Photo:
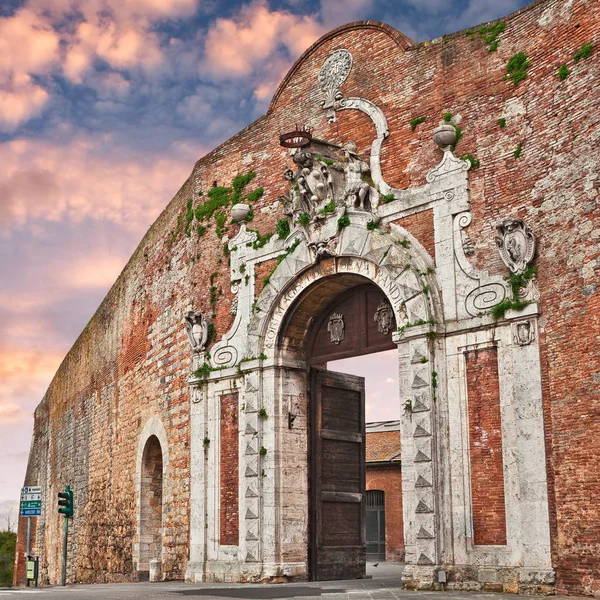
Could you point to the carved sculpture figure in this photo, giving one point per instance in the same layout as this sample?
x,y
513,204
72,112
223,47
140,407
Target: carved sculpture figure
x,y
336,328
384,316
196,328
358,192
313,181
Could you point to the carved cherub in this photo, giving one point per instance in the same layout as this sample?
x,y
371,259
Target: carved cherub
x,y
358,192
196,328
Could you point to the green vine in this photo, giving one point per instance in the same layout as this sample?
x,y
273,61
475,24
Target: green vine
x,y
303,219
474,161
584,52
343,222
416,122
489,34
516,283
385,198
518,151
329,208
282,229
517,67
261,240
502,122
324,160
371,225
563,72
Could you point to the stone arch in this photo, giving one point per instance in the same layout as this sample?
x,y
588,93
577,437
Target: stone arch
x,y
152,465
395,261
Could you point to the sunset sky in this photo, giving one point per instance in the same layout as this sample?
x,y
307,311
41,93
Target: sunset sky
x,y
105,105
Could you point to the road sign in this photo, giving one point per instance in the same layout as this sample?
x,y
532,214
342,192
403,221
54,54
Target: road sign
x,y
31,501
30,497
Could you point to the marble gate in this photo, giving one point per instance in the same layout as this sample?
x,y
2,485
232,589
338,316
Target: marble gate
x,y
342,235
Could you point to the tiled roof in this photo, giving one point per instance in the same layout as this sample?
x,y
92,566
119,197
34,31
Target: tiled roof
x,y
383,443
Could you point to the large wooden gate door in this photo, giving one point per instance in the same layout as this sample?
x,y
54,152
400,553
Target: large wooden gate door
x,y
337,482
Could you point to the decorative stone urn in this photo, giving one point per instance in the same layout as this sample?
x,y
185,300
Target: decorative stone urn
x,y
444,135
239,212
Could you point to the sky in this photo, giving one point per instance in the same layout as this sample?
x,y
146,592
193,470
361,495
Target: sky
x,y
105,105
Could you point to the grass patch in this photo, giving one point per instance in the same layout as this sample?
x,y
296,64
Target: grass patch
x,y
343,222
329,208
416,122
563,72
282,229
518,151
517,67
584,52
474,161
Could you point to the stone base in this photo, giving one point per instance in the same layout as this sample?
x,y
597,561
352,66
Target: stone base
x,y
233,572
508,580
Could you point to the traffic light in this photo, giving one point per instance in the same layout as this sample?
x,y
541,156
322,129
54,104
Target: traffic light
x,y
65,502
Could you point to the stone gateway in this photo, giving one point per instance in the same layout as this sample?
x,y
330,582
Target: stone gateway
x,y
441,199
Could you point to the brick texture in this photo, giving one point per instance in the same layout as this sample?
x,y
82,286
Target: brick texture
x,y
132,360
229,497
485,447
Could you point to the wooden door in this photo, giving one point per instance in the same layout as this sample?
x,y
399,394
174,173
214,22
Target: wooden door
x,y
337,483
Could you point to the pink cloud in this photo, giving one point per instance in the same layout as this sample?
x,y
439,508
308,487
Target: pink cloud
x,y
92,271
45,181
28,46
20,99
242,44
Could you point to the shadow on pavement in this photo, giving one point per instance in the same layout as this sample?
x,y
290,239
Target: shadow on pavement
x,y
262,593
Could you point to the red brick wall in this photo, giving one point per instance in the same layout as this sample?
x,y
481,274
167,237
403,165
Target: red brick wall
x,y
115,380
229,465
389,480
485,445
421,226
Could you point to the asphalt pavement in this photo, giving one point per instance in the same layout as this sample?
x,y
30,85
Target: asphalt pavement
x,y
383,582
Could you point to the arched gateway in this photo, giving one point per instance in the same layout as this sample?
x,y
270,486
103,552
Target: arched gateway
x,y
286,515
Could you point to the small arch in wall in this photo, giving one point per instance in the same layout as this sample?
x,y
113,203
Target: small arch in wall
x,y
152,464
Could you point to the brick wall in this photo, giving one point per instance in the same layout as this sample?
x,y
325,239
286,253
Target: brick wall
x,y
229,471
389,480
132,360
485,447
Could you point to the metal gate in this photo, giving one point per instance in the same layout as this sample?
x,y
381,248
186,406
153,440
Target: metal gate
x,y
375,525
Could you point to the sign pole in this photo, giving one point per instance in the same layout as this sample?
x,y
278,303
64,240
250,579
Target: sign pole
x,y
28,551
63,580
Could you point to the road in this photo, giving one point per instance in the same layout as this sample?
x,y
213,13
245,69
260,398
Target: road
x,y
385,583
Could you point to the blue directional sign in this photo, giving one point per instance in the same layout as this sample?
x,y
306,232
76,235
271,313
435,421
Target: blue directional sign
x,y
31,501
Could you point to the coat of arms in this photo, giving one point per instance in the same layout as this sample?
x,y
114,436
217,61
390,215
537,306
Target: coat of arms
x,y
516,244
336,328
384,316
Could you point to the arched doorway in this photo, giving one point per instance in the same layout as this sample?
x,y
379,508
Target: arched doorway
x,y
151,506
350,318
